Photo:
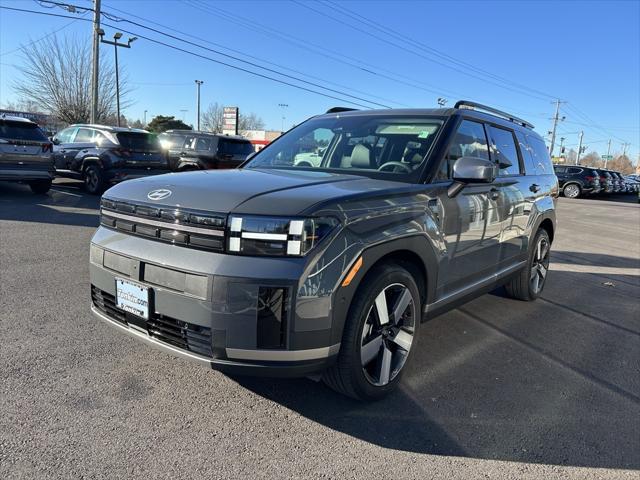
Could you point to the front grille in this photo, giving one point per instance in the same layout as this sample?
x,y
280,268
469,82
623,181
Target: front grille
x,y
187,228
184,335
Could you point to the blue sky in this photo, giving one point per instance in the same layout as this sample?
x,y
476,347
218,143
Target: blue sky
x,y
586,53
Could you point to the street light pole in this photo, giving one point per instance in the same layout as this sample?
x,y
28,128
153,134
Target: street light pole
x,y
198,83
145,118
606,160
117,36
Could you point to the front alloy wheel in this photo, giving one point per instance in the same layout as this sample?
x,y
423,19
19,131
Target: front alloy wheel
x,y
387,334
379,333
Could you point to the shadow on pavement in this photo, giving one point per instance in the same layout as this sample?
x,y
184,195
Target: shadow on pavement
x,y
501,379
62,205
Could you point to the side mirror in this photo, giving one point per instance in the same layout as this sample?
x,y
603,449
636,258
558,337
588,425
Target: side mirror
x,y
471,170
54,140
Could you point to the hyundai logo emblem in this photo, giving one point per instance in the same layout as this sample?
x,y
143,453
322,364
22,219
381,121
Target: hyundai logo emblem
x,y
159,194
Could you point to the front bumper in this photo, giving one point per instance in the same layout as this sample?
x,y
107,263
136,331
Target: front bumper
x,y
205,306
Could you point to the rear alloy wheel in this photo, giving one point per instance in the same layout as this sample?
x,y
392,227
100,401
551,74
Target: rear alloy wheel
x,y
40,187
379,334
571,191
528,283
93,179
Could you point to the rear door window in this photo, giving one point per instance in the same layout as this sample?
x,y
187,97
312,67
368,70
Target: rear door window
x,y
10,130
574,170
84,135
234,147
143,142
503,148
65,135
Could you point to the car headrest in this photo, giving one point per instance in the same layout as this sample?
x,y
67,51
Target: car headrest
x,y
360,157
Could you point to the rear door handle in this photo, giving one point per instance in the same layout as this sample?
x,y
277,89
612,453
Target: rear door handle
x,y
535,188
494,194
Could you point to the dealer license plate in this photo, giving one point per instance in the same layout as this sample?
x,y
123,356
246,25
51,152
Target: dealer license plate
x,y
132,297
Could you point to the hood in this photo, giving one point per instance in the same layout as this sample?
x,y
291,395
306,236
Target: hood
x,y
260,192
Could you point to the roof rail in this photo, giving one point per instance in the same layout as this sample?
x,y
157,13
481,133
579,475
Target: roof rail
x,y
340,109
478,106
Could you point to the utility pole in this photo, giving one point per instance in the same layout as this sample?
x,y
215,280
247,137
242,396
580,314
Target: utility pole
x,y
145,118
556,119
624,148
579,148
117,36
606,160
198,83
283,106
95,61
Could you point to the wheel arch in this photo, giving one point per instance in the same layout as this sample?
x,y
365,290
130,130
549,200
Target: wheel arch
x,y
414,253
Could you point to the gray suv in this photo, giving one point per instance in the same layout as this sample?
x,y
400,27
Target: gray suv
x,y
286,267
25,154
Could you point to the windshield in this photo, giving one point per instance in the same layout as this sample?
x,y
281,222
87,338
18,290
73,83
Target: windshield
x,y
395,146
139,141
21,131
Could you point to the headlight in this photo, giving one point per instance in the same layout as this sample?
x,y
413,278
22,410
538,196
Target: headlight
x,y
275,236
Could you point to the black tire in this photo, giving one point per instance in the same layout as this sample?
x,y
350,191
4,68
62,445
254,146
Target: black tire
x,y
523,286
93,179
572,190
348,376
40,187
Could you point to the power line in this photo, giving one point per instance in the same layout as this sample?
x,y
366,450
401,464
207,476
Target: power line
x,y
236,67
289,39
250,56
237,59
394,33
414,52
39,39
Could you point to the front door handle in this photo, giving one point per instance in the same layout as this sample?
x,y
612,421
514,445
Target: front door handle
x,y
494,194
535,188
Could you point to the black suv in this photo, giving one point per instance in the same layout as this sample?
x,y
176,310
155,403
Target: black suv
x,y
283,268
101,155
189,150
25,154
577,180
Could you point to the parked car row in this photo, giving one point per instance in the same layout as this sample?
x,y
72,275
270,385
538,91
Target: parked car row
x,y
578,181
101,156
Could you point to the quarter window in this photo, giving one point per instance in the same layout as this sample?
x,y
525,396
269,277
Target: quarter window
x,y
540,155
504,151
470,141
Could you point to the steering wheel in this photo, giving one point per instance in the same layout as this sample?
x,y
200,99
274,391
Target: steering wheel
x,y
304,163
391,166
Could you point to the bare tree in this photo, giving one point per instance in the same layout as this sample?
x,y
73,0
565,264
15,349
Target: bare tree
x,y
250,122
56,76
212,120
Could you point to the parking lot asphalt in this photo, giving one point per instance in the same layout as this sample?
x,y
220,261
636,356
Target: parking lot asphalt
x,y
498,388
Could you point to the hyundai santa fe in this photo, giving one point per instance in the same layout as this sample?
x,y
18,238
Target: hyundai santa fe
x,y
287,267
